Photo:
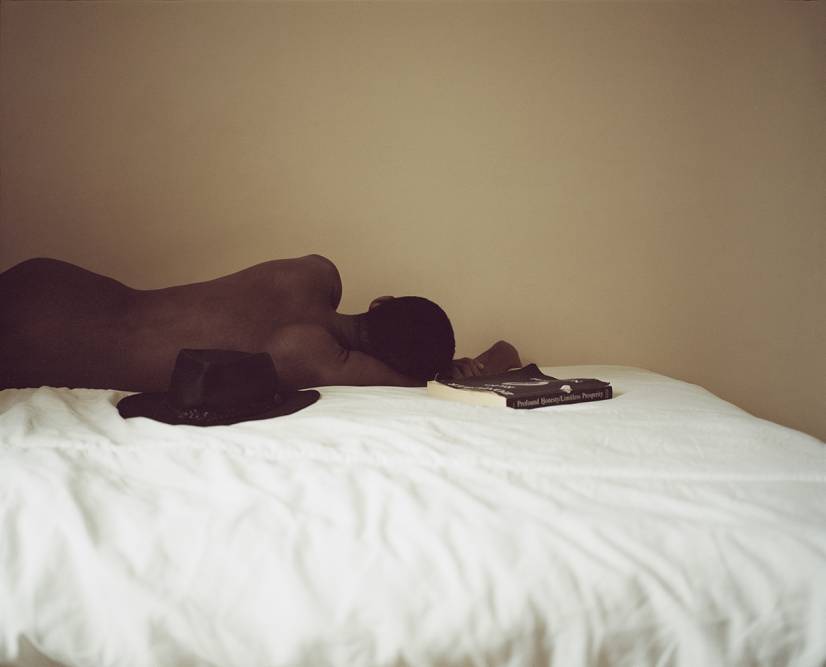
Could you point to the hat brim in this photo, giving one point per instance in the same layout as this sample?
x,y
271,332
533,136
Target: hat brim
x,y
155,405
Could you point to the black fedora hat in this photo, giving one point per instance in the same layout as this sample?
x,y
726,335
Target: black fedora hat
x,y
218,388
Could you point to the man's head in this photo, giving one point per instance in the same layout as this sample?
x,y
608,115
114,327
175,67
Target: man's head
x,y
410,334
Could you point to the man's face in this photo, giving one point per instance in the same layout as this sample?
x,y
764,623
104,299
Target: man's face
x,y
380,300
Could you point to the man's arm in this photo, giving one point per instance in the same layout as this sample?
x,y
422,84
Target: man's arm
x,y
360,369
497,359
307,355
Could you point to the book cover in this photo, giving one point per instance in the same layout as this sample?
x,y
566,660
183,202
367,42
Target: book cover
x,y
522,389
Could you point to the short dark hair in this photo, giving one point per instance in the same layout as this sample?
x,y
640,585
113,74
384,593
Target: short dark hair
x,y
411,335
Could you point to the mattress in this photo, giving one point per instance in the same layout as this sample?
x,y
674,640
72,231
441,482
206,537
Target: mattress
x,y
382,526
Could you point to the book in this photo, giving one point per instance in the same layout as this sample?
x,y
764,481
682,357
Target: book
x,y
522,389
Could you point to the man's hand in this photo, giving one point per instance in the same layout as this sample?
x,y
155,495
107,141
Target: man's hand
x,y
465,367
500,357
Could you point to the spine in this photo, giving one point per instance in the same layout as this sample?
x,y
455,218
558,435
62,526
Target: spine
x,y
544,400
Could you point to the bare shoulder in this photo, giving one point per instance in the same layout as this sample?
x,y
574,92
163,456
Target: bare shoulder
x,y
310,272
320,260
301,352
330,276
305,335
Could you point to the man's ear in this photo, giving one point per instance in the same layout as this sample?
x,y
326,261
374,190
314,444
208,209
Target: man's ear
x,y
378,301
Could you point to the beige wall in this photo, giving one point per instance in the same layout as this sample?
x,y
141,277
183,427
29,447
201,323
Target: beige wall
x,y
636,184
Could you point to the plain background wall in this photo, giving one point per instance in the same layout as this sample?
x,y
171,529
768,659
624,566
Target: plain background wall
x,y
634,184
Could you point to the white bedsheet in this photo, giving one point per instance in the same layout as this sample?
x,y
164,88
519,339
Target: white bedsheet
x,y
381,526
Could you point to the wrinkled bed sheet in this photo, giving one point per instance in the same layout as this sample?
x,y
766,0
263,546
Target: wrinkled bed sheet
x,y
381,526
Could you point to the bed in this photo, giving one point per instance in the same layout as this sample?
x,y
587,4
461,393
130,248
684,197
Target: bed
x,y
383,527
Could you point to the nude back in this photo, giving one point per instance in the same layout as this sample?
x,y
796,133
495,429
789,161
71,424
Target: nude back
x,y
62,325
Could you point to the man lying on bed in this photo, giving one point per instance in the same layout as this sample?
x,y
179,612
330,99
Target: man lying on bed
x,y
64,326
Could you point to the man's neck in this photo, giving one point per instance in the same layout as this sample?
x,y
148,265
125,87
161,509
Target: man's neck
x,y
348,331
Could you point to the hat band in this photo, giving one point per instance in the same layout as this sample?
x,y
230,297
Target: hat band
x,y
201,414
